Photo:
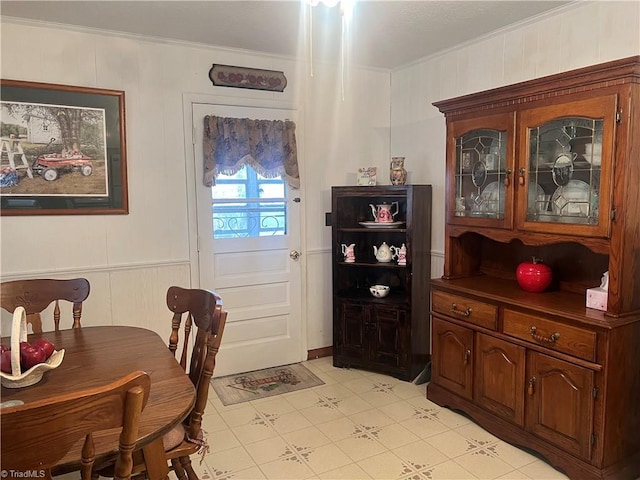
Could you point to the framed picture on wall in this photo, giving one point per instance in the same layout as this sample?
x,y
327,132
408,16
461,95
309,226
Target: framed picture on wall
x,y
62,150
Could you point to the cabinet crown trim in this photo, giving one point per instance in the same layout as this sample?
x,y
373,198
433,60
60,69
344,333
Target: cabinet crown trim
x,y
617,72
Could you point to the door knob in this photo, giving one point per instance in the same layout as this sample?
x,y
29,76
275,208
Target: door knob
x,y
294,254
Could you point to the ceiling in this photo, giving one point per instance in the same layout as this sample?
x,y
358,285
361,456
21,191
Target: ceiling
x,y
384,34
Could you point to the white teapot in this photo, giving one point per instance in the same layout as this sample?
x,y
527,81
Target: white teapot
x,y
383,253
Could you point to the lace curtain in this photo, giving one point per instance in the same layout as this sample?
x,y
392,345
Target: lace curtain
x,y
269,146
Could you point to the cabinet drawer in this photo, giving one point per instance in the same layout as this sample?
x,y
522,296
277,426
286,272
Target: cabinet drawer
x,y
463,308
563,338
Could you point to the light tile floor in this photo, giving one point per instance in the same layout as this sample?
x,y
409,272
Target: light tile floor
x,y
358,425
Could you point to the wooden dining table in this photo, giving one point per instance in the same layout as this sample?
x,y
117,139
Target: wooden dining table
x,y
95,356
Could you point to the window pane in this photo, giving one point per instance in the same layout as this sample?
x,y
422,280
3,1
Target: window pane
x,y
229,190
272,190
253,218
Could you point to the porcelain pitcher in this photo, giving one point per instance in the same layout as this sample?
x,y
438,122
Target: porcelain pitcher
x,y
349,252
382,213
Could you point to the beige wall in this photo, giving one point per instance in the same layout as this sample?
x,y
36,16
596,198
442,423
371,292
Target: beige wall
x,y
130,260
575,36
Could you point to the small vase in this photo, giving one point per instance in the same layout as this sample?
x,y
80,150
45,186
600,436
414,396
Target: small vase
x,y
398,174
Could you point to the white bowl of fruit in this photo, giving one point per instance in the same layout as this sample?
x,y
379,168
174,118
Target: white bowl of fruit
x,y
24,363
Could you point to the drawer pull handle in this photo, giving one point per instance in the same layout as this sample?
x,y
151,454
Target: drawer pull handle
x,y
532,384
463,313
467,355
552,339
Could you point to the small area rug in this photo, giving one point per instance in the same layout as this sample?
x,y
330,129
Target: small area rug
x,y
243,387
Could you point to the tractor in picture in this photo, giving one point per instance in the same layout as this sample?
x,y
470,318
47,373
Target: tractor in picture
x,y
49,166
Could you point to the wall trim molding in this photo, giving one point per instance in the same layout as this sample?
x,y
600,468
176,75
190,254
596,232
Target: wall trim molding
x,y
92,269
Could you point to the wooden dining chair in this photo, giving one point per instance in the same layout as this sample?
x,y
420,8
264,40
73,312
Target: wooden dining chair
x,y
203,309
36,295
37,436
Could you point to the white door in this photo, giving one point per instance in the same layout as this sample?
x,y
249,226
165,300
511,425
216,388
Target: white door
x,y
258,278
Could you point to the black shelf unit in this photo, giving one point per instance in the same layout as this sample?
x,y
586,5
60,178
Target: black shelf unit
x,y
388,335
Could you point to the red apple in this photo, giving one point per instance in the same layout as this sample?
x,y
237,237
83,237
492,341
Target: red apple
x,y
534,276
31,356
46,345
5,361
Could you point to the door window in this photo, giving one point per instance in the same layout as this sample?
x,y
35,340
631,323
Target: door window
x,y
247,204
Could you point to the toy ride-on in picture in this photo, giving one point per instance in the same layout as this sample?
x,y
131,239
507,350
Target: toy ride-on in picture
x,y
49,166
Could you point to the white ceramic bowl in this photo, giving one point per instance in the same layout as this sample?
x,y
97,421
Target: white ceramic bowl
x,y
379,291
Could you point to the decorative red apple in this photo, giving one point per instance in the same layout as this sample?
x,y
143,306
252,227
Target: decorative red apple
x,y
5,361
30,356
534,276
46,345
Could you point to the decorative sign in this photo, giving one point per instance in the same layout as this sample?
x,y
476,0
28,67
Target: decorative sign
x,y
367,176
241,77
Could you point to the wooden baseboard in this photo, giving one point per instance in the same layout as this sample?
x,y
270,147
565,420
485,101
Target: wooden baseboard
x,y
319,353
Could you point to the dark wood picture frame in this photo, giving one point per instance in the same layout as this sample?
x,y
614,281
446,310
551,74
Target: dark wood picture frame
x,y
41,165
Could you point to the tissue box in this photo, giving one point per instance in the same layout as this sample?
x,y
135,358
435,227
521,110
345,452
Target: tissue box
x,y
597,298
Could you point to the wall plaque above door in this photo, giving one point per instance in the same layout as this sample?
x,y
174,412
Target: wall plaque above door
x,y
253,78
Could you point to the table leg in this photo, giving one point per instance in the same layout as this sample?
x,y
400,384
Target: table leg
x,y
155,460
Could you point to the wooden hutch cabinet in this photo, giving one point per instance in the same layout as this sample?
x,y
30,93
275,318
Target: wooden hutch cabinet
x,y
548,168
391,334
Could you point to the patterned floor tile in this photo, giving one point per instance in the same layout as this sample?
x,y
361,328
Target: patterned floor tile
x,y
483,463
420,455
372,418
362,444
224,464
514,456
273,405
327,457
289,422
386,466
337,429
212,422
359,425
259,429
348,472
424,422
310,437
542,471
395,435
288,467
354,405
221,440
266,451
239,416
324,410
448,470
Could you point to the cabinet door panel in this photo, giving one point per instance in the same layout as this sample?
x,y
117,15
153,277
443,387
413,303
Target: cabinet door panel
x,y
560,403
566,167
479,165
388,336
351,331
452,364
499,377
